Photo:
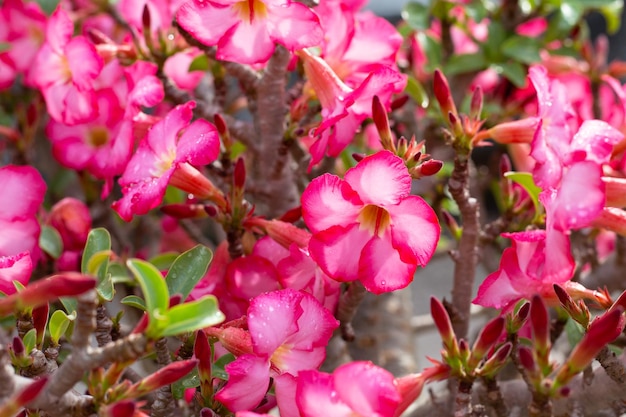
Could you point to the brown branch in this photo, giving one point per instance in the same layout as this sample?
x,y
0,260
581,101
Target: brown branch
x,y
104,325
348,304
163,405
467,252
493,397
612,365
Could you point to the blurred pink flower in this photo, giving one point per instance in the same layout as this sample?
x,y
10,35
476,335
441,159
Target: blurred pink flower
x,y
368,226
14,268
245,31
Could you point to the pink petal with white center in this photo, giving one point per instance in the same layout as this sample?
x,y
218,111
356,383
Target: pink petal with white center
x,y
294,25
597,138
268,248
315,325
291,361
247,277
415,230
381,179
580,198
246,43
84,62
381,269
328,201
163,136
206,21
248,381
59,30
337,250
368,389
55,65
285,388
19,235
272,318
14,268
24,188
316,396
199,144
142,196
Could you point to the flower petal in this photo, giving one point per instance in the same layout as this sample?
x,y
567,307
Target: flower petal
x,y
381,179
381,269
337,251
248,381
316,396
415,230
199,144
329,201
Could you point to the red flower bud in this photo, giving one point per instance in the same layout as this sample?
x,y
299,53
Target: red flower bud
x,y
431,167
145,18
444,95
476,105
190,180
164,376
124,408
444,325
239,174
18,347
31,391
496,361
485,341
540,325
379,115
184,211
72,220
518,131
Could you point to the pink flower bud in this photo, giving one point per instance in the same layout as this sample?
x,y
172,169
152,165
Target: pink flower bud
x,y
202,351
526,359
239,174
18,347
496,361
431,167
31,391
164,376
184,211
72,220
444,96
220,124
485,341
124,408
444,325
190,180
379,115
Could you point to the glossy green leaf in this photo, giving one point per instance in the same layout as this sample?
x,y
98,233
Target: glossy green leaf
x,y
189,317
98,240
164,261
48,6
513,71
70,304
465,63
218,368
416,15
152,284
119,274
574,332
525,179
187,270
58,324
134,301
30,340
416,91
522,49
191,380
50,241
199,63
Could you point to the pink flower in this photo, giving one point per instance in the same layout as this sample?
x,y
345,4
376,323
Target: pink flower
x,y
14,268
168,153
72,64
245,31
24,188
344,108
368,226
289,332
353,389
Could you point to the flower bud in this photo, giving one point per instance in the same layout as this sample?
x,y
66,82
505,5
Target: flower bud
x,y
184,211
430,167
518,131
190,180
496,361
444,96
379,115
444,325
72,220
164,376
476,105
540,325
485,341
239,174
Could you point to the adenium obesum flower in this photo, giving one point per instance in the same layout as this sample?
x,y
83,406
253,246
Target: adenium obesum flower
x,y
245,31
168,155
288,333
14,268
71,218
368,226
71,66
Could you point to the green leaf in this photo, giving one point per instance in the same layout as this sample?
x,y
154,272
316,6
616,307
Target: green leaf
x,y
48,6
187,270
70,304
574,332
191,380
134,301
98,240
164,261
492,47
513,71
522,49
612,13
416,91
416,15
119,274
50,241
59,322
30,340
153,287
200,63
189,317
432,50
465,63
525,179
217,370
98,266
4,46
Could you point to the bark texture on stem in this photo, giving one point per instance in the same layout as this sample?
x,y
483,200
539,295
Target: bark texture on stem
x,y
466,254
163,405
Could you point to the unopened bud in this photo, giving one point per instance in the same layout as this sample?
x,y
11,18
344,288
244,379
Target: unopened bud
x,y
184,211
526,359
145,18
444,325
518,131
485,341
379,115
164,376
31,391
540,325
452,224
239,174
476,105
431,167
496,361
443,95
399,102
615,190
18,346
358,157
